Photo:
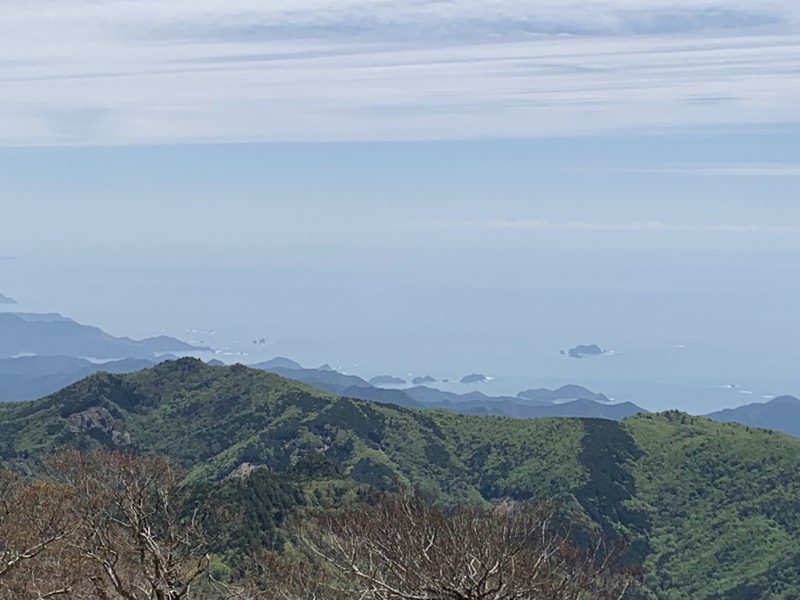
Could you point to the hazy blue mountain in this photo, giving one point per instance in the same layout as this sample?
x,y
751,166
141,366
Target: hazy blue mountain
x,y
585,409
378,394
565,392
6,300
55,335
329,381
279,362
781,414
431,395
574,408
477,403
472,403
340,384
29,377
387,380
423,380
42,365
130,365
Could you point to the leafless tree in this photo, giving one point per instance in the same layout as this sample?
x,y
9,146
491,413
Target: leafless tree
x,y
133,530
110,526
403,549
35,522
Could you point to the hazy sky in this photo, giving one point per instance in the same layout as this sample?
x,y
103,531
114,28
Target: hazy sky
x,y
553,170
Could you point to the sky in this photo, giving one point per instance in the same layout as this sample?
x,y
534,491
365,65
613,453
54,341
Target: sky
x,y
179,71
407,185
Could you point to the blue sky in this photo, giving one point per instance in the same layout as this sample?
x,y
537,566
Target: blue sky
x,y
617,172
157,201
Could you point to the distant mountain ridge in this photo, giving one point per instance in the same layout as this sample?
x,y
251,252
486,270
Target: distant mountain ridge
x,y
6,299
387,380
52,334
564,393
29,377
279,362
327,380
569,400
780,414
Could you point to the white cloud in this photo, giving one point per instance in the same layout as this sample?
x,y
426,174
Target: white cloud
x,y
610,227
124,71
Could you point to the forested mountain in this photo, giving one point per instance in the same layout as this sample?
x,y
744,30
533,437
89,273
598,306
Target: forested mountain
x,y
712,509
781,414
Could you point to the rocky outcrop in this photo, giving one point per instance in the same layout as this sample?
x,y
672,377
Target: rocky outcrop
x,y
98,419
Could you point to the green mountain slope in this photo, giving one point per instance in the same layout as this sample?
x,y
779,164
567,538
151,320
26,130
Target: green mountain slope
x,y
724,505
215,418
712,509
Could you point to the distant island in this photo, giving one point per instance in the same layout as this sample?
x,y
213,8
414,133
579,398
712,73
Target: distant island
x,y
423,380
563,394
474,378
581,350
51,334
387,380
6,300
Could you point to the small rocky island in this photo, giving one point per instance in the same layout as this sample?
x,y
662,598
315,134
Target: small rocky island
x,y
423,380
581,351
474,378
6,300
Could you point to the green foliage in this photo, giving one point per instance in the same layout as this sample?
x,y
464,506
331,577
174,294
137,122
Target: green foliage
x,y
243,513
724,503
713,510
608,453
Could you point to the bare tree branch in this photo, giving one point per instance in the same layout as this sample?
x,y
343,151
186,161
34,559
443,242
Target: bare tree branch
x,y
402,549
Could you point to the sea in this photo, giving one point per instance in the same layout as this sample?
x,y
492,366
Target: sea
x,y
680,343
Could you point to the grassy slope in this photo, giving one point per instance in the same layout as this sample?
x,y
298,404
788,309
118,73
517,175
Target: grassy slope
x,y
715,508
